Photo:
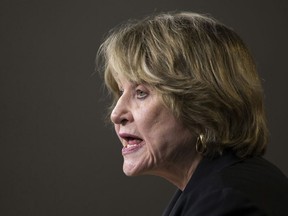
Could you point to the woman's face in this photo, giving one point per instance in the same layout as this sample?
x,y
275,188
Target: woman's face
x,y
153,139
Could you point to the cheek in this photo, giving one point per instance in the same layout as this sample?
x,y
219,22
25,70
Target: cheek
x,y
117,128
159,129
168,130
146,120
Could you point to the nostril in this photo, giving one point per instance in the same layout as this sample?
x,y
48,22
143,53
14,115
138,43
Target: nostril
x,y
123,121
119,118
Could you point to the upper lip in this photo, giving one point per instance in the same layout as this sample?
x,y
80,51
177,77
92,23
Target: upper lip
x,y
127,136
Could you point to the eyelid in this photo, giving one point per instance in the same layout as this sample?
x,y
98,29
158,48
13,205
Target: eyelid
x,y
119,93
141,92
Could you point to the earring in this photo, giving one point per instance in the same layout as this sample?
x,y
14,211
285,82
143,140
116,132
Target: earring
x,y
200,145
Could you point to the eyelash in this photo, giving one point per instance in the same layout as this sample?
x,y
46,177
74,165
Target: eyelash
x,y
140,94
121,92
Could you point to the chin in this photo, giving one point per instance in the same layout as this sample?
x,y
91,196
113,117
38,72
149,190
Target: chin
x,y
130,169
129,174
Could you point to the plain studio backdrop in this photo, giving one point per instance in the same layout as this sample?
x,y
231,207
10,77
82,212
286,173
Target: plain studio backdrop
x,y
57,156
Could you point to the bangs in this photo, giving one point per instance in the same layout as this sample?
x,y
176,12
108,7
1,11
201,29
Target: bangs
x,y
128,53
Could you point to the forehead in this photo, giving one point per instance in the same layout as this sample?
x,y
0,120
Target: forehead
x,y
121,79
121,74
127,59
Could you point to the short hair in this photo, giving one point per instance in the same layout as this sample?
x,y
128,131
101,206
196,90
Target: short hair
x,y
202,70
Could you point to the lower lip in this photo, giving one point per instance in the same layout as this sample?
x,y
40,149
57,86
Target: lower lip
x,y
131,149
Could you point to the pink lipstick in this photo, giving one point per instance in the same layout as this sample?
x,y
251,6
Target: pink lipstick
x,y
131,143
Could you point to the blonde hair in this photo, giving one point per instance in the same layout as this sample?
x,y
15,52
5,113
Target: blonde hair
x,y
203,72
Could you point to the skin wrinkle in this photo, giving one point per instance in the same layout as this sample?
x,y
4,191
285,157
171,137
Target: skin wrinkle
x,y
205,81
163,152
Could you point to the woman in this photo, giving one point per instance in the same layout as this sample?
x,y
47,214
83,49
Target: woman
x,y
188,107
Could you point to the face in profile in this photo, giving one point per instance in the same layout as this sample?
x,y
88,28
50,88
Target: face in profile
x,y
153,139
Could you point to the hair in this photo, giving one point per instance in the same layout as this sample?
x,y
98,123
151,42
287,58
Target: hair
x,y
202,70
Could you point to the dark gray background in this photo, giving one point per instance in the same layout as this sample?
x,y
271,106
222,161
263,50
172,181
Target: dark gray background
x,y
57,157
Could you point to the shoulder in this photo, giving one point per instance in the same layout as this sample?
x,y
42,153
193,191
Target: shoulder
x,y
219,202
246,187
228,185
260,182
255,177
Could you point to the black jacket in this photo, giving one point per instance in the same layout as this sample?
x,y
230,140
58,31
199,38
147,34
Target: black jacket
x,y
228,185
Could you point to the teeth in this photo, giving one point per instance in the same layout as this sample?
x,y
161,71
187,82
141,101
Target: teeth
x,y
130,145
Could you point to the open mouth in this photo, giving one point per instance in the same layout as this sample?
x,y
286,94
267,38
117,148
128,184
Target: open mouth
x,y
131,143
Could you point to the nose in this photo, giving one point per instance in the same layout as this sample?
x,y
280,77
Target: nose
x,y
121,113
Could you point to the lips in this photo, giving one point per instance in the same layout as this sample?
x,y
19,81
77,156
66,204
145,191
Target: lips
x,y
132,143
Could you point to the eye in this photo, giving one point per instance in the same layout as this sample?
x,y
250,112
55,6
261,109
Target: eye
x,y
121,92
140,94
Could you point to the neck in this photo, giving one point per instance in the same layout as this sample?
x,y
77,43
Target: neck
x,y
179,174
